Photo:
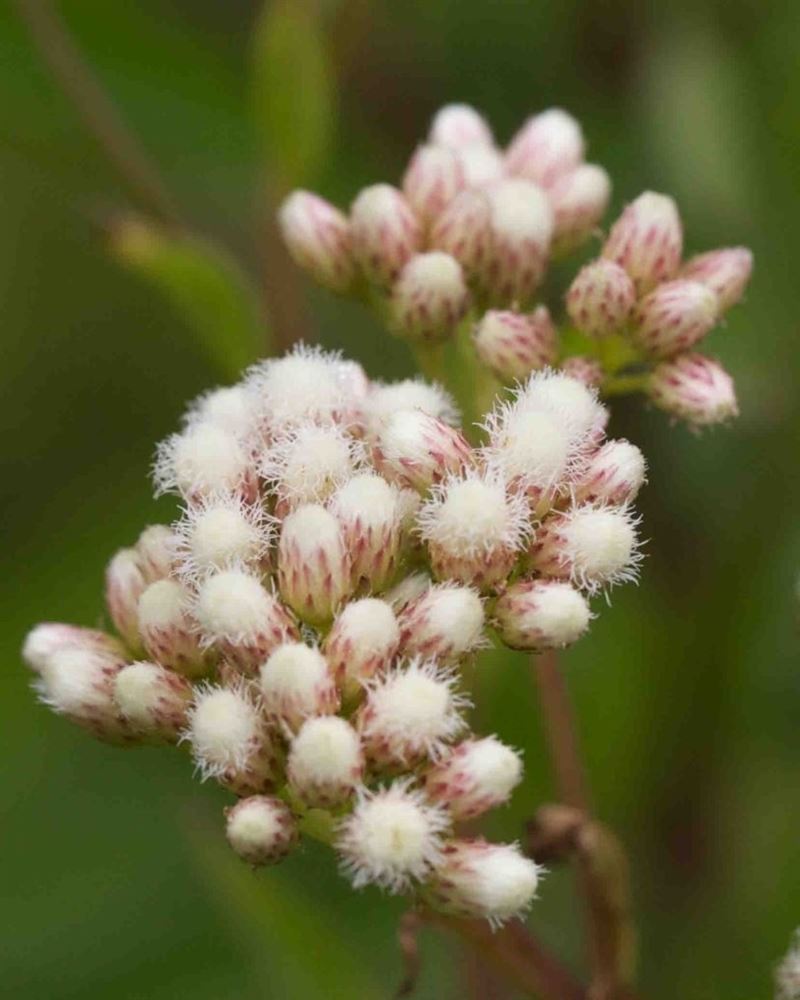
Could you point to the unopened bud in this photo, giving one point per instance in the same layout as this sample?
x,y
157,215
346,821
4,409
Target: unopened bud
x,y
477,776
579,199
694,388
601,298
168,630
153,700
521,225
326,762
726,272
647,240
410,394
296,683
463,230
575,405
125,583
314,569
232,408
362,642
50,637
433,178
584,369
369,512
547,146
458,125
430,297
222,532
407,591
317,236
445,622
309,463
261,829
156,550
202,461
614,475
385,233
417,450
512,344
541,614
674,317
481,165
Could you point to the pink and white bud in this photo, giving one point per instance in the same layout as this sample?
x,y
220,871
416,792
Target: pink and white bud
x,y
726,272
261,829
464,231
296,683
410,394
481,165
547,146
615,474
314,568
579,199
431,181
168,630
521,225
601,298
414,449
385,233
576,405
125,583
512,344
584,369
480,880
156,550
478,775
392,838
541,614
410,715
647,240
430,297
592,546
230,742
153,700
445,623
202,461
674,317
456,126
231,408
362,642
474,527
369,512
240,618
326,763
307,464
317,236
407,591
694,388
49,638
222,532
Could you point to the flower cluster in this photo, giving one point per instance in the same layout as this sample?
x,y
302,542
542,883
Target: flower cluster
x,y
461,248
342,550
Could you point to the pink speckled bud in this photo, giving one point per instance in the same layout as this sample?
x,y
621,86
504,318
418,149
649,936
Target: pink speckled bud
x,y
370,512
445,622
579,199
547,146
296,683
694,388
541,614
261,829
463,231
326,762
415,449
456,126
601,298
168,630
521,225
49,637
125,583
317,236
385,233
726,272
157,551
585,369
430,297
153,700
614,475
477,776
674,317
431,181
362,642
314,568
514,344
647,240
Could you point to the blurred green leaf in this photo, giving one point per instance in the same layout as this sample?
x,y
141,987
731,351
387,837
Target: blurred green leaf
x,y
293,89
205,285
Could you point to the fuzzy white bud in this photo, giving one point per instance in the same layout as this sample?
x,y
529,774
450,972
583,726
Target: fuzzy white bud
x,y
309,463
222,532
408,590
317,236
601,298
417,450
202,461
50,637
547,146
369,512
458,125
156,550
314,569
614,475
430,297
362,642
168,630
231,408
521,225
326,763
431,181
477,776
726,272
445,622
261,829
694,388
410,394
153,700
647,240
575,405
512,344
579,200
296,683
385,233
541,614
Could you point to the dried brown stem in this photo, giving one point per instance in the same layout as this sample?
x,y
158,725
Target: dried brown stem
x,y
407,931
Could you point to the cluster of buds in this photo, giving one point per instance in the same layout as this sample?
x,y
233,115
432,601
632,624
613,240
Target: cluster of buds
x,y
460,249
341,552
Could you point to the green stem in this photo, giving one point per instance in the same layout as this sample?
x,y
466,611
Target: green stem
x,y
623,385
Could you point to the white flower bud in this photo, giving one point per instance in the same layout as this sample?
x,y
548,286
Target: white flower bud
x,y
168,630
445,622
463,230
601,298
229,739
726,272
241,618
325,763
480,165
362,642
296,683
430,297
458,125
521,225
410,394
125,583
477,776
583,369
222,532
547,146
50,637
647,240
309,463
417,450
314,569
392,838
410,714
231,408
408,590
475,527
593,546
317,236
694,388
579,200
541,614
674,317
155,549
369,512
202,461
431,181
614,475
478,879
153,700
261,829
385,233
512,345
573,403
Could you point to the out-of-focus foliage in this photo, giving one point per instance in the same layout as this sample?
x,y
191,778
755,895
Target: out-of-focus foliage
x,y
688,690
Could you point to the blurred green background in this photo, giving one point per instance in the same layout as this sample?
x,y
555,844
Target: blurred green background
x,y
114,879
